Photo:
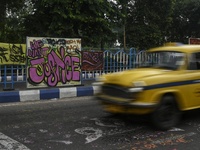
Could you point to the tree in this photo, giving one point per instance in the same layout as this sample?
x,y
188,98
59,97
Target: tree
x,y
87,19
186,21
137,23
10,20
149,23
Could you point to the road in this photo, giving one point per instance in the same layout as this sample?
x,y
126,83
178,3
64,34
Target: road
x,y
80,124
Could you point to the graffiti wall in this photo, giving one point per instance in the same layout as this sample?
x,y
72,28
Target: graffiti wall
x,y
53,62
92,61
12,54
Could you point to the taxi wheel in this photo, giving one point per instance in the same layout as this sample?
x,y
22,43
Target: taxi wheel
x,y
167,114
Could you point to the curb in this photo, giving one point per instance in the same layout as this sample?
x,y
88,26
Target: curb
x,y
46,94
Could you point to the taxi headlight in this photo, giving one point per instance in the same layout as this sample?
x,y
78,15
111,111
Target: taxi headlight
x,y
139,84
133,90
99,81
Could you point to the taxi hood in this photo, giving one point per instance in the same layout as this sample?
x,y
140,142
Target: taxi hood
x,y
126,78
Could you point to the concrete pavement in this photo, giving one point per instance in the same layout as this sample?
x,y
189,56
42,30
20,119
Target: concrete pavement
x,y
21,94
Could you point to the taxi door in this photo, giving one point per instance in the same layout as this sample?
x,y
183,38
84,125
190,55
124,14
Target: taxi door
x,y
193,77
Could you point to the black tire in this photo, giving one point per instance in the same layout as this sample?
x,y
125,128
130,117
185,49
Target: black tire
x,y
167,114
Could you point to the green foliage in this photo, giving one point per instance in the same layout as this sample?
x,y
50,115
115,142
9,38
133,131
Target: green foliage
x,y
65,18
11,20
135,23
186,21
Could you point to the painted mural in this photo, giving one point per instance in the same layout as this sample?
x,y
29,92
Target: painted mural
x,y
12,54
53,62
92,61
195,41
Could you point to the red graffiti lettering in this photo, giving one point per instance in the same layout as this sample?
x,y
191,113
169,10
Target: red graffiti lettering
x,y
76,41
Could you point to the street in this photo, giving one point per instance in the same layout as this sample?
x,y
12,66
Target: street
x,y
79,123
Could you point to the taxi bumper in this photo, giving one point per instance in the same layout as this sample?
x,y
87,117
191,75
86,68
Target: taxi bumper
x,y
124,102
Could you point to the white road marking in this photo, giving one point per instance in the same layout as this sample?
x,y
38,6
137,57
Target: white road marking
x,y
43,131
91,133
100,123
6,143
176,129
59,141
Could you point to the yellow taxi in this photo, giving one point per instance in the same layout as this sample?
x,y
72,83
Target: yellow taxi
x,y
163,86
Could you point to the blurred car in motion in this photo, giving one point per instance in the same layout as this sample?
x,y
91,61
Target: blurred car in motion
x,y
164,85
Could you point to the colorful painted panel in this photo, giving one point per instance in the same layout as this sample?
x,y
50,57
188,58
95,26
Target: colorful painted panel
x,y
12,54
92,61
195,41
53,62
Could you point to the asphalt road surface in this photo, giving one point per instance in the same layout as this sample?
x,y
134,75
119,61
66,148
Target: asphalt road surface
x,y
80,124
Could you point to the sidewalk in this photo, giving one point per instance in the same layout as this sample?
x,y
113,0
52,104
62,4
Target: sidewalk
x,y
20,93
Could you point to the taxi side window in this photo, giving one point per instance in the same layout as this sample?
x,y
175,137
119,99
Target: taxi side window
x,y
194,62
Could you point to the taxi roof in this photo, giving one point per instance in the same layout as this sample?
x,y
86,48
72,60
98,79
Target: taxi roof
x,y
185,48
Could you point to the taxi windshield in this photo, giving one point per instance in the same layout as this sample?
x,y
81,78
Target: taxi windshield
x,y
164,60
